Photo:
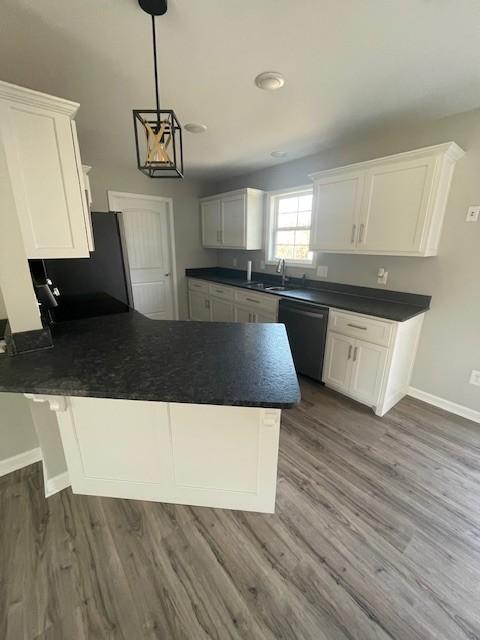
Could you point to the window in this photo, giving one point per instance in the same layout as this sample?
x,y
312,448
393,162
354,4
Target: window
x,y
289,225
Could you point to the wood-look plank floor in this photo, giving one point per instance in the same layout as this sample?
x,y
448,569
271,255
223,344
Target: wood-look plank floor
x,y
376,535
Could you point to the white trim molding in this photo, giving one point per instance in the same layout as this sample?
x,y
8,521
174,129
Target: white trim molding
x,y
442,403
8,465
22,95
55,484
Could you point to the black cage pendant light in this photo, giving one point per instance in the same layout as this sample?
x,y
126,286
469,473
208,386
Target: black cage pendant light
x,y
158,134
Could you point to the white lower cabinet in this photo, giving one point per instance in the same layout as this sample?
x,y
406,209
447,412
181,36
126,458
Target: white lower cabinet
x,y
337,364
368,366
244,314
355,367
370,359
221,310
219,303
199,305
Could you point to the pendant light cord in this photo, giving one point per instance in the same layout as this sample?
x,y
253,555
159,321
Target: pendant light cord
x,y
157,96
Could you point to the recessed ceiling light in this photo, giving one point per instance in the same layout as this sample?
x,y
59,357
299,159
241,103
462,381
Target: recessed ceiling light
x,y
279,154
195,127
270,80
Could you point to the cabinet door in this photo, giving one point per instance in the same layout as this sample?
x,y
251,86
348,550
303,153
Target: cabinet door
x,y
46,177
244,314
265,316
336,207
211,228
395,205
234,221
222,310
199,305
368,368
337,367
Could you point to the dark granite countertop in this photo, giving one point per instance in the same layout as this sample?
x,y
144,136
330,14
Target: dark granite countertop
x,y
391,305
131,357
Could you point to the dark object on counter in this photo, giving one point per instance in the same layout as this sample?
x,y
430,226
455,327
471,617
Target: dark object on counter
x,y
306,326
391,305
89,305
24,342
127,355
103,272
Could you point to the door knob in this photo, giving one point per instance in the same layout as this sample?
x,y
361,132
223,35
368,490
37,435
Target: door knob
x,y
166,275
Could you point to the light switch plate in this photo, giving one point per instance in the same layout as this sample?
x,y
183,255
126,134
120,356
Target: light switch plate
x,y
262,265
475,378
322,271
473,213
234,262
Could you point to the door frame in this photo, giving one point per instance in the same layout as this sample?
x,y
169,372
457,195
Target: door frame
x,y
114,202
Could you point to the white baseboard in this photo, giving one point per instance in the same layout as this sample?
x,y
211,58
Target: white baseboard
x,y
56,484
453,407
20,460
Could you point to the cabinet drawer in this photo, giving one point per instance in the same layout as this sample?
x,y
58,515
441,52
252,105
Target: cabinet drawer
x,y
220,292
198,285
363,327
263,301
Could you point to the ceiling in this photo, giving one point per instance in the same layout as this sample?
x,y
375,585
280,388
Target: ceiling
x,y
349,65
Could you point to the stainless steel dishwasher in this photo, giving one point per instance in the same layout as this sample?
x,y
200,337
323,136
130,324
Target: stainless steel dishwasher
x,y
306,326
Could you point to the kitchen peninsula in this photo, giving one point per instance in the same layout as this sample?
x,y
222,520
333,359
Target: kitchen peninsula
x,y
181,412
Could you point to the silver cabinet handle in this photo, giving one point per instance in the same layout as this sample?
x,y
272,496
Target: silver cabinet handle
x,y
356,326
349,352
252,300
354,230
360,235
355,351
207,304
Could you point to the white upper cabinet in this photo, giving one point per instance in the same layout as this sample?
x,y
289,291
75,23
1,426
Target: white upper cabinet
x,y
233,220
39,138
337,200
393,206
211,223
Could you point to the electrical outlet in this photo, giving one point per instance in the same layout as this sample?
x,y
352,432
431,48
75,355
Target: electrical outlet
x,y
234,262
382,276
473,213
475,378
322,271
262,265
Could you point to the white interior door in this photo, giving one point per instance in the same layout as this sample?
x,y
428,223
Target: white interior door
x,y
148,230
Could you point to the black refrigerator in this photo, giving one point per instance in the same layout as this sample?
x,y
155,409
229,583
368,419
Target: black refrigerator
x,y
92,286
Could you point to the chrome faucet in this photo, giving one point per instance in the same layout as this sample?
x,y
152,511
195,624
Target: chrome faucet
x,y
281,268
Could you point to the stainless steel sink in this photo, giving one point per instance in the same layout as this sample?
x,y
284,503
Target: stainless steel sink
x,y
277,288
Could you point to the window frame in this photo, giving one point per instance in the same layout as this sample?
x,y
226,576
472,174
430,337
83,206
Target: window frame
x,y
270,227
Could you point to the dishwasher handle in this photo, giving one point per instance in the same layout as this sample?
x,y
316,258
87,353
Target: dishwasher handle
x,y
309,314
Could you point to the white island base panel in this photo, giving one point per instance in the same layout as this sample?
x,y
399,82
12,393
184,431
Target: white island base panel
x,y
194,454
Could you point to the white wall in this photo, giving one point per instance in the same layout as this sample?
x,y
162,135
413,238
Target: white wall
x,y
450,341
17,434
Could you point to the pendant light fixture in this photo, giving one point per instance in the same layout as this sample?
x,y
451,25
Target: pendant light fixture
x,y
158,134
